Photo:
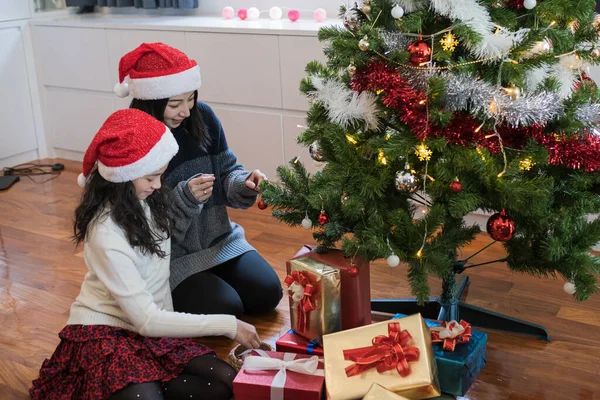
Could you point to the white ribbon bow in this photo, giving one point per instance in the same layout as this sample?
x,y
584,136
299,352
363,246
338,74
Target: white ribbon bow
x,y
297,292
307,366
449,333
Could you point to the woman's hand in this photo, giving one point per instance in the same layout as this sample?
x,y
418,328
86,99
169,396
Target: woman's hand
x,y
254,180
246,335
202,187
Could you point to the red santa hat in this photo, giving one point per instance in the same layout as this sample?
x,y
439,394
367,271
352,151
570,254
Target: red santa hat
x,y
129,145
156,71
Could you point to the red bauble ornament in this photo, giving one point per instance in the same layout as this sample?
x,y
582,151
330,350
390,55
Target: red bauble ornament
x,y
587,81
455,186
262,205
420,52
500,226
323,218
353,272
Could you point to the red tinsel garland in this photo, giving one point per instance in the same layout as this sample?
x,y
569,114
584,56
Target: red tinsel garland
x,y
397,94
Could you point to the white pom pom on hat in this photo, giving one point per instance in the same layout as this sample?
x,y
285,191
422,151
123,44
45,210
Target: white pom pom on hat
x,y
121,89
81,180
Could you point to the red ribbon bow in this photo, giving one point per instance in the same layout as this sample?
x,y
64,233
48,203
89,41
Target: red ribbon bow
x,y
451,333
306,304
386,353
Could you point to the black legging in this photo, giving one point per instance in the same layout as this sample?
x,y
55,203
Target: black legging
x,y
244,285
205,377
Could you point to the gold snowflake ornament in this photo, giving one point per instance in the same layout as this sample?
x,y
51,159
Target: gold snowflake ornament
x,y
423,152
449,42
526,164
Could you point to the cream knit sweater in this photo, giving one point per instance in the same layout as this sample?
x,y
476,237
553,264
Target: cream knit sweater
x,y
127,289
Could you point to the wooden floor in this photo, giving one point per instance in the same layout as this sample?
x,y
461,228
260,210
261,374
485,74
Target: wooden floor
x,y
40,275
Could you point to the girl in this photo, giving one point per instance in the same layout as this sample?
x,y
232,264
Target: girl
x,y
123,340
213,268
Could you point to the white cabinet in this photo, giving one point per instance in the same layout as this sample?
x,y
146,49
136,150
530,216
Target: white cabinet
x,y
74,117
237,69
73,58
17,128
254,137
296,52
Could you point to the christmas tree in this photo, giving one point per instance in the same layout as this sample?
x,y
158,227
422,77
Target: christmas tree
x,y
428,110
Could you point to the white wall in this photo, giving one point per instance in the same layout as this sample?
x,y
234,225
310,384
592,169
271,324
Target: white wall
x,y
21,133
15,9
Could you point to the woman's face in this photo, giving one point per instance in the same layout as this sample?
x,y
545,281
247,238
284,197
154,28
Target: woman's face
x,y
178,109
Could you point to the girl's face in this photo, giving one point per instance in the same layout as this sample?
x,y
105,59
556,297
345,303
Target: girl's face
x,y
178,109
146,185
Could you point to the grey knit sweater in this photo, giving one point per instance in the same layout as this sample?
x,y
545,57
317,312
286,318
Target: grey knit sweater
x,y
203,235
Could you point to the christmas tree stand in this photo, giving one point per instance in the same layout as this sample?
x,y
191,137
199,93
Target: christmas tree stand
x,y
450,307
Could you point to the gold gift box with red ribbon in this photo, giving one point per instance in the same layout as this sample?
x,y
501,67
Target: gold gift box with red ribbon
x,y
378,392
395,354
315,298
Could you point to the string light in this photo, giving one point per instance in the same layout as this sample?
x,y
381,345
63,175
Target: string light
x,y
381,158
350,139
478,149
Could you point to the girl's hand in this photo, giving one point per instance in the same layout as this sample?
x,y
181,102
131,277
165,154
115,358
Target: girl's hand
x,y
254,180
246,335
202,187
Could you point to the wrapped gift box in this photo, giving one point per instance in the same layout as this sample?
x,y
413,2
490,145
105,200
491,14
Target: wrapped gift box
x,y
294,343
355,294
314,290
458,369
276,376
395,354
378,392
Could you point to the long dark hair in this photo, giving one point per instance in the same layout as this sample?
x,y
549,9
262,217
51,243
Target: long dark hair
x,y
193,124
100,196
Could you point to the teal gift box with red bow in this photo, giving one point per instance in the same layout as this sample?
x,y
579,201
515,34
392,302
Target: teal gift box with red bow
x,y
460,354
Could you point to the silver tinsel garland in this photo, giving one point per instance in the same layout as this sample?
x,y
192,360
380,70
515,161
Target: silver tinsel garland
x,y
395,41
466,93
588,114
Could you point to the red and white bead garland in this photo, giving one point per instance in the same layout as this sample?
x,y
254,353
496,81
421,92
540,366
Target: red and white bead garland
x,y
275,13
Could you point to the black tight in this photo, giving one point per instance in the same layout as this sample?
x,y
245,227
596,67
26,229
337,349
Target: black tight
x,y
205,377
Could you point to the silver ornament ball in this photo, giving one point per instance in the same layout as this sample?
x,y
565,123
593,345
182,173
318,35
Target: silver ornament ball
x,y
315,152
406,182
363,44
351,69
569,288
393,260
530,4
306,223
595,53
352,20
397,11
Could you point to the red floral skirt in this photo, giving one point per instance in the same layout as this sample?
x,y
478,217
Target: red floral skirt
x,y
94,361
